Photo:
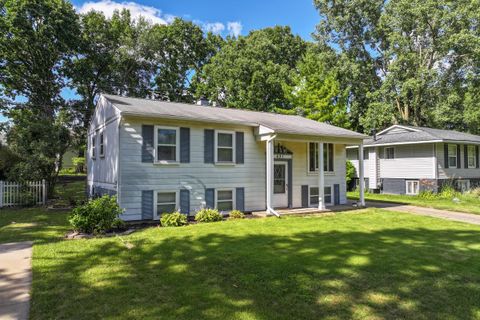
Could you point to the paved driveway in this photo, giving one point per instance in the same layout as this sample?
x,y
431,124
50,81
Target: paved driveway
x,y
443,214
15,280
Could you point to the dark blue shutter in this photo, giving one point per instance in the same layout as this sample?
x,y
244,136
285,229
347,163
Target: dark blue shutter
x,y
459,160
336,194
147,143
210,198
185,201
304,196
478,159
239,146
465,155
184,145
147,204
445,153
330,157
209,146
240,199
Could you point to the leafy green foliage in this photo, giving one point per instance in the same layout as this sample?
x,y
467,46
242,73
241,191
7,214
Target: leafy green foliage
x,y
208,215
250,72
405,61
175,219
236,214
97,215
351,172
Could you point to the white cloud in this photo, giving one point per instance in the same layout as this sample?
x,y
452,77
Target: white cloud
x,y
216,27
234,28
108,7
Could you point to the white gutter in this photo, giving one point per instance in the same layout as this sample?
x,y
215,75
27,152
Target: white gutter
x,y
269,173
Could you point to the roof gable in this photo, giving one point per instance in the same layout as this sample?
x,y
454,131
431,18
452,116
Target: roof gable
x,y
395,129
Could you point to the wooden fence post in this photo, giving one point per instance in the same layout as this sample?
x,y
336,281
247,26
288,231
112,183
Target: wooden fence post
x,y
1,193
44,192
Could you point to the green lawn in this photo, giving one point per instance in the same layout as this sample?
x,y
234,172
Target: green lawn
x,y
467,204
368,264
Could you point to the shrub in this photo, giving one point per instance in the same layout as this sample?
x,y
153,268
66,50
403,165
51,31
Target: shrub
x,y
208,215
175,219
448,192
475,192
351,172
236,214
97,215
427,195
79,163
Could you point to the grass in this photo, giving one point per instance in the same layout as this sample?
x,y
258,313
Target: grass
x,y
39,224
467,203
367,264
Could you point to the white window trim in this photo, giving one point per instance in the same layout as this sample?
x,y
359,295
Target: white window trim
x,y
94,146
177,145
457,164
331,196
155,199
325,147
474,156
233,147
101,144
385,153
234,204
406,187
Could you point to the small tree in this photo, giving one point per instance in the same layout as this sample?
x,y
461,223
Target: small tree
x,y
351,173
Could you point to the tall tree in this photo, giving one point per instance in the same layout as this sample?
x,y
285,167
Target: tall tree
x,y
36,37
415,57
178,52
315,91
250,72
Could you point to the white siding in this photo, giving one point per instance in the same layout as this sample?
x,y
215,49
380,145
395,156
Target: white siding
x,y
102,171
413,161
301,176
197,175
457,173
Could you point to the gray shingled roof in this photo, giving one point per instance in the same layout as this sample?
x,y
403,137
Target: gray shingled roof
x,y
423,134
279,123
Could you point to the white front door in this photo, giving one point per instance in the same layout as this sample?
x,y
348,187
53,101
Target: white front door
x,y
280,184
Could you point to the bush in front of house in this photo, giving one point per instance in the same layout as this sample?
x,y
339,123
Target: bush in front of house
x,y
208,215
475,192
448,192
97,215
175,219
428,195
236,214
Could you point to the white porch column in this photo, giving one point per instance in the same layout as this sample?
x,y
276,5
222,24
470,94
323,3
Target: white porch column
x,y
361,175
321,178
269,172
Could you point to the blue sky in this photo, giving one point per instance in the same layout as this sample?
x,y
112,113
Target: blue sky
x,y
234,17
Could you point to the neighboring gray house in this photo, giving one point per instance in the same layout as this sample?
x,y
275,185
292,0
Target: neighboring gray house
x,y
407,160
160,156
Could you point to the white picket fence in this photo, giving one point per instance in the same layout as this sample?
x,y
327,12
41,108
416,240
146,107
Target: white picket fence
x,y
14,193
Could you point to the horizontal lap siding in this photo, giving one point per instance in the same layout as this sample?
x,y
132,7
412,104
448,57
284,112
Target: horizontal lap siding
x,y
457,173
302,177
196,175
103,170
414,161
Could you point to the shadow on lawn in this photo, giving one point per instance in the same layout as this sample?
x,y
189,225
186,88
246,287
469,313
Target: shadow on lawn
x,y
396,273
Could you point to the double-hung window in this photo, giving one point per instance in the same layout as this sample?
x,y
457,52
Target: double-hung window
x,y
452,156
225,200
167,141
412,187
472,156
94,147
224,147
328,157
167,202
102,145
327,195
390,153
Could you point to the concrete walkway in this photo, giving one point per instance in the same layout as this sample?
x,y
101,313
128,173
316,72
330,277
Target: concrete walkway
x,y
443,214
15,280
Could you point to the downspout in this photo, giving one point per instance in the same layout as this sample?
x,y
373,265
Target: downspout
x,y
269,173
118,161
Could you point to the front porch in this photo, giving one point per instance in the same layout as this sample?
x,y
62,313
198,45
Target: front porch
x,y
317,181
